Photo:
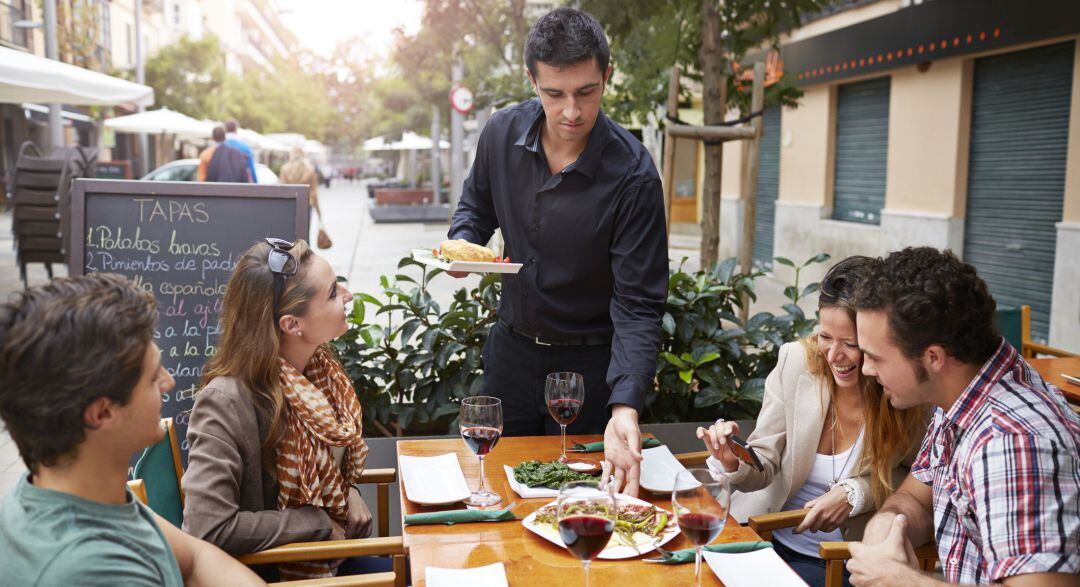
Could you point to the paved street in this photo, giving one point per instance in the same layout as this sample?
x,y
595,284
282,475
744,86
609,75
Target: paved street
x,y
362,251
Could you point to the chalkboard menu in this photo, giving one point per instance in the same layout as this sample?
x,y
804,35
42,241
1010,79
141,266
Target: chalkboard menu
x,y
112,169
179,241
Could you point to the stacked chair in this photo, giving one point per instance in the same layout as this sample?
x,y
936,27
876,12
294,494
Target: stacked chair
x,y
40,201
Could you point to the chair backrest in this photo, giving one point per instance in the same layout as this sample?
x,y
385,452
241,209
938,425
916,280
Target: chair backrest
x,y
160,469
1010,323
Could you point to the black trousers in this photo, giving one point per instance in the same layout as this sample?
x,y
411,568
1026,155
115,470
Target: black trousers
x,y
516,369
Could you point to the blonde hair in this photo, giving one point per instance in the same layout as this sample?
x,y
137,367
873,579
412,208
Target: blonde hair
x,y
250,335
889,433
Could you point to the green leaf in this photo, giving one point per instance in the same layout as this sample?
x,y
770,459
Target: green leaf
x,y
710,396
668,323
670,358
708,358
370,299
357,311
811,289
819,258
794,310
686,375
784,261
791,293
408,329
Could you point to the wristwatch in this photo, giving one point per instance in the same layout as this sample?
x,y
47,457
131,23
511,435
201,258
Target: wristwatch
x,y
854,498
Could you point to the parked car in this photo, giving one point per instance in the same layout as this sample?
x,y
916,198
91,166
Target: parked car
x,y
185,170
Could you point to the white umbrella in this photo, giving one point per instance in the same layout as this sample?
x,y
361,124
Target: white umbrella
x,y
161,121
28,78
376,144
411,141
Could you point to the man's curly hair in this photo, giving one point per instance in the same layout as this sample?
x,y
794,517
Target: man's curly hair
x,y
931,297
63,345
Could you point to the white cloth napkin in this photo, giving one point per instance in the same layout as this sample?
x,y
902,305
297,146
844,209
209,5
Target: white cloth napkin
x,y
493,575
760,567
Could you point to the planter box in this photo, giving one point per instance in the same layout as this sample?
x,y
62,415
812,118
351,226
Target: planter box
x,y
410,213
407,196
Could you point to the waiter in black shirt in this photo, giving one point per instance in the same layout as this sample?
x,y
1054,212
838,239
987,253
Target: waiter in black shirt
x,y
580,204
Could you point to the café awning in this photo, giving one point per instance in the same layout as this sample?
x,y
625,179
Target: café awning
x,y
28,78
161,121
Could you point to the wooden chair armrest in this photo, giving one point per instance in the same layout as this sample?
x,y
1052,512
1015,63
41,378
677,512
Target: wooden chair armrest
x,y
692,459
1033,349
763,523
378,476
138,487
369,580
327,549
839,551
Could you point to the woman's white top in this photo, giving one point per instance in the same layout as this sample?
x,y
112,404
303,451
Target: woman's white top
x,y
817,484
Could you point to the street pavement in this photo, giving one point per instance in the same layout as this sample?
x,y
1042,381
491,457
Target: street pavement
x,y
362,252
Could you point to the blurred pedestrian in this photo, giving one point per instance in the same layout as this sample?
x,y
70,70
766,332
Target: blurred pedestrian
x,y
222,162
299,170
232,138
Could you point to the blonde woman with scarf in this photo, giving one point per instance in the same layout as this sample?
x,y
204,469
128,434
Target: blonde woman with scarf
x,y
275,434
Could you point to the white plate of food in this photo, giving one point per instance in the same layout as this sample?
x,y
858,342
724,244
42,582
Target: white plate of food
x,y
466,257
433,480
658,469
660,527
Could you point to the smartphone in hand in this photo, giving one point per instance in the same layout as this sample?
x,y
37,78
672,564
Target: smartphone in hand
x,y
745,452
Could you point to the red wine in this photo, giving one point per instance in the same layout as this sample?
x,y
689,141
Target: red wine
x,y
700,529
564,411
480,439
585,536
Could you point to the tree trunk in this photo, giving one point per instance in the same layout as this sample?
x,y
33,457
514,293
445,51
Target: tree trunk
x,y
715,104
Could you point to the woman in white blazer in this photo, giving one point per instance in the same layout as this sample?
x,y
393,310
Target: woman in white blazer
x,y
827,437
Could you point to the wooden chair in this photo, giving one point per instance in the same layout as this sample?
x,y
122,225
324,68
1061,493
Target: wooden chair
x,y
833,553
157,484
1015,325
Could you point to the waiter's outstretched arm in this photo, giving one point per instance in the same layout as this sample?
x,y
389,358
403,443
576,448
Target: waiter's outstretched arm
x,y
639,264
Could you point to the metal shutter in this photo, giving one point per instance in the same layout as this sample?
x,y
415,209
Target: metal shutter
x,y
862,148
1016,174
768,188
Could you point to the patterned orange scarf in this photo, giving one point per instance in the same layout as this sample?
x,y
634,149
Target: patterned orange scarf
x,y
321,412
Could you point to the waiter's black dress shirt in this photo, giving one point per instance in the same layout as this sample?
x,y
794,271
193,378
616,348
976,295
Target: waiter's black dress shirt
x,y
592,239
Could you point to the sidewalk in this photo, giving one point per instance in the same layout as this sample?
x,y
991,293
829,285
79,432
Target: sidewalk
x,y
362,251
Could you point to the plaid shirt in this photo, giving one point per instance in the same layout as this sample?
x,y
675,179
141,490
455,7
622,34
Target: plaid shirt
x,y
1004,463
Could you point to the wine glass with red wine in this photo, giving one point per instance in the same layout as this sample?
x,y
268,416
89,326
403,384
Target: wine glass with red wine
x,y
564,394
481,424
586,516
701,500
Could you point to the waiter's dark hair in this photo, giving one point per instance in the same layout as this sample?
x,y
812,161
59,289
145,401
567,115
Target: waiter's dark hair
x,y
565,37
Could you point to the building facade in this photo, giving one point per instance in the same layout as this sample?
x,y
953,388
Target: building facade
x,y
943,123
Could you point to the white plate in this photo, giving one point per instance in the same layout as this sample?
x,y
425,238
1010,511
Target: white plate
x,y
424,256
433,480
526,491
615,549
493,575
658,469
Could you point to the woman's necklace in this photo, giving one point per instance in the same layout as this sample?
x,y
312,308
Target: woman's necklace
x,y
832,459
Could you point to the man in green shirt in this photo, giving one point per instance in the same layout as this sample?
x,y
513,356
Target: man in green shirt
x,y
81,384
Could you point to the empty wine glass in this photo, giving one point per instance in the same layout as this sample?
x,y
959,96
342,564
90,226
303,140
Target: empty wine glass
x,y
564,394
586,516
701,500
480,422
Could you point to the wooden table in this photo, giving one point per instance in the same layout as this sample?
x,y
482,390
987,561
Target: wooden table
x,y
528,558
1051,370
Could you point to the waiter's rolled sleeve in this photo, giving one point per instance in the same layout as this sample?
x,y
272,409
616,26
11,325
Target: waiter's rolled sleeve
x,y
639,264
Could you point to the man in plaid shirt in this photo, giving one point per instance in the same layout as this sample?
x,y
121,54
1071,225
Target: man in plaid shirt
x,y
997,481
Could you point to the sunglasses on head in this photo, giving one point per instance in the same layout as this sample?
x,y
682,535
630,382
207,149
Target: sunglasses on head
x,y
282,265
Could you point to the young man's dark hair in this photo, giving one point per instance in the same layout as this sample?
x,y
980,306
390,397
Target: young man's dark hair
x,y
566,36
63,346
81,386
219,134
231,125
932,297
